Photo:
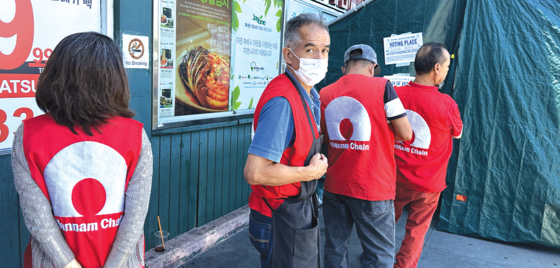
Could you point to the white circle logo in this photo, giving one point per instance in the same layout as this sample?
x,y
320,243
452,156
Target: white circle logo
x,y
349,108
422,135
85,179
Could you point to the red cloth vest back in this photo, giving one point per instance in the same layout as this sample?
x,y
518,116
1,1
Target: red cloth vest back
x,y
281,86
85,179
360,142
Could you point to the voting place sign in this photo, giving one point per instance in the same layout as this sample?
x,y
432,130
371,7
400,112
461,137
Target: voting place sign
x,y
401,48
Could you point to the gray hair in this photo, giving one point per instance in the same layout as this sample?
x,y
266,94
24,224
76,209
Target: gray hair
x,y
292,36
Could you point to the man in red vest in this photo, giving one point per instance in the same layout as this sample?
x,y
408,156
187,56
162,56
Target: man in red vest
x,y
422,161
361,118
284,162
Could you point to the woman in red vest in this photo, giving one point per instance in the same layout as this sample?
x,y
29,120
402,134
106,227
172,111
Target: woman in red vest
x,y
83,170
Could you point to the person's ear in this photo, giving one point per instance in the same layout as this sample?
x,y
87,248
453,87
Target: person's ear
x,y
437,67
287,54
342,68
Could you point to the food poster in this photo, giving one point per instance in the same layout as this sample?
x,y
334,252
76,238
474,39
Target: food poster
x,y
29,31
202,63
167,15
256,37
167,63
166,100
166,56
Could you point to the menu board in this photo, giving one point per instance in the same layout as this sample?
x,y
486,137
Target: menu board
x,y
29,31
215,56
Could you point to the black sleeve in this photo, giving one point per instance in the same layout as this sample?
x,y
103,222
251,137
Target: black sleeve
x,y
390,93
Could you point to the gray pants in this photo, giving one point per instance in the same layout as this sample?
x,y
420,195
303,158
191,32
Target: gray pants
x,y
375,224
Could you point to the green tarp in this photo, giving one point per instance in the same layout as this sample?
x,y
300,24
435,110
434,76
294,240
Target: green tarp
x,y
438,20
508,90
505,78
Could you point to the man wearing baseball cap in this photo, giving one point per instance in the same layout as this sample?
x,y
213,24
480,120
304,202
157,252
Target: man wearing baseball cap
x,y
361,117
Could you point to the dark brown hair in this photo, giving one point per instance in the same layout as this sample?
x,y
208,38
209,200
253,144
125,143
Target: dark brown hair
x,y
84,83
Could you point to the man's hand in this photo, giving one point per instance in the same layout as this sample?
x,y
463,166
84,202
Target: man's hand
x,y
73,264
261,171
317,166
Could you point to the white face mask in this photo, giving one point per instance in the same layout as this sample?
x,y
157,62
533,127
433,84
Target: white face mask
x,y
311,71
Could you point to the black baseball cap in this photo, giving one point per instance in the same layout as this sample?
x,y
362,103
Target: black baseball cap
x,y
367,53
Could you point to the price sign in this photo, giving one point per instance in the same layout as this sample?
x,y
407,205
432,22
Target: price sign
x,y
29,31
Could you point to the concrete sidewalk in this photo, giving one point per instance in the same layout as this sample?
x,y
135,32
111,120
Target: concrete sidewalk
x,y
440,250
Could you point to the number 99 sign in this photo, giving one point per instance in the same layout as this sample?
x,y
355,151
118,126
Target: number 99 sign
x,y
29,30
17,34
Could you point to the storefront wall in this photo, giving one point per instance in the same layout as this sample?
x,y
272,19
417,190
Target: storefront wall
x,y
198,176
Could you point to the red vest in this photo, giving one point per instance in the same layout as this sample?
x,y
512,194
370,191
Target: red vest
x,y
360,141
85,179
293,156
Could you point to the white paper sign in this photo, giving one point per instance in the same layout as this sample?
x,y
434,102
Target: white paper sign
x,y
136,51
401,48
398,81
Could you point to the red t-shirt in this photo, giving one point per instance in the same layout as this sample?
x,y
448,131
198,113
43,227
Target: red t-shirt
x,y
435,120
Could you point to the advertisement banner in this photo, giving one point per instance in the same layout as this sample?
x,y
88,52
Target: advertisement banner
x,y
29,31
256,37
401,48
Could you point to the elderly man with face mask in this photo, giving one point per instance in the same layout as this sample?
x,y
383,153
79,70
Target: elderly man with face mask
x,y
284,162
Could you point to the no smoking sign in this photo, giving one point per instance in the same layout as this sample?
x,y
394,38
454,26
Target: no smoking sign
x,y
135,54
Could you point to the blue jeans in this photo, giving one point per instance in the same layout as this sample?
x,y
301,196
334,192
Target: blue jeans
x,y
260,233
375,224
320,189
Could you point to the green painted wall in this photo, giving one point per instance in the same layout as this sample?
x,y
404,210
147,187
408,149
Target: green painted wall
x,y
198,171
14,235
198,177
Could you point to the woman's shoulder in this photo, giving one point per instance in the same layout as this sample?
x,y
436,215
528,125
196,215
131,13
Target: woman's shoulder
x,y
43,118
